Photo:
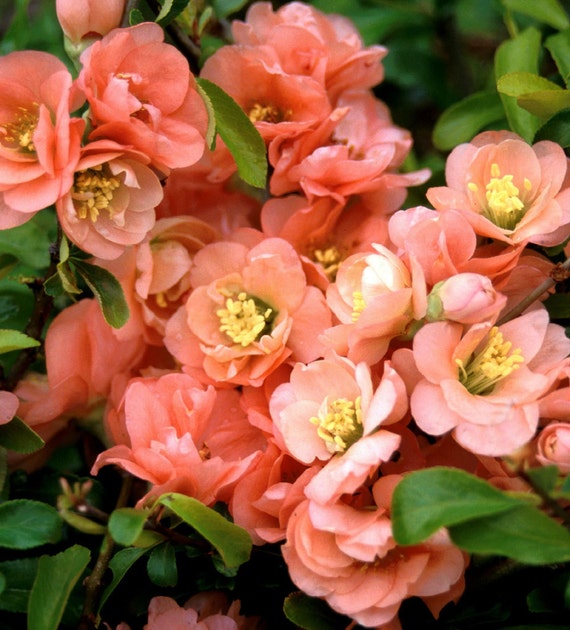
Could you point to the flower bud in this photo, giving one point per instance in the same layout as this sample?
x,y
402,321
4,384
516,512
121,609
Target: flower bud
x,y
466,298
553,446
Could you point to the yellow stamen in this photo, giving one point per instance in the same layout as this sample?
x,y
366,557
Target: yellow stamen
x,y
93,191
161,300
339,423
19,133
486,368
267,113
330,259
358,305
245,319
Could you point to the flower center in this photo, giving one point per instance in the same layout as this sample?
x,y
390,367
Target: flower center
x,y
245,319
19,133
93,191
339,424
330,259
267,113
504,206
492,364
358,305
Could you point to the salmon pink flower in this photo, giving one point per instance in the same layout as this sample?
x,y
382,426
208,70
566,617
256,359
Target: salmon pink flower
x,y
508,190
111,202
39,142
249,312
8,406
484,384
553,446
142,94
84,19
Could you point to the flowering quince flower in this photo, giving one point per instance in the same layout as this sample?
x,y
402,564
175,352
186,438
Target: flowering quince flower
x,y
142,94
466,298
250,311
345,553
39,141
330,406
308,42
508,190
485,383
182,437
111,202
376,298
8,406
553,446
84,19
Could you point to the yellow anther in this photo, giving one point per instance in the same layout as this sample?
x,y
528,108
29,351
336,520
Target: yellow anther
x,y
483,370
19,133
93,190
339,423
504,206
473,187
330,259
267,113
245,319
358,305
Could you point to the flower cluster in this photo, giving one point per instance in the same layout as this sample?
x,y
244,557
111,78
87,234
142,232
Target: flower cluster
x,y
292,357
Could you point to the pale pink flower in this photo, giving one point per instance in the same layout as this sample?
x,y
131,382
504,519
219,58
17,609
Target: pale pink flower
x,y
345,553
8,406
250,311
507,189
182,437
39,142
484,384
111,202
85,19
553,446
330,407
142,94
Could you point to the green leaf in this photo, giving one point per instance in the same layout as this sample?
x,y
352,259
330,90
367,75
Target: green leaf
x,y
523,533
136,17
463,120
119,564
55,579
19,575
211,131
520,83
223,8
29,243
25,524
556,129
232,542
108,292
426,500
170,10
15,340
547,11
17,436
7,263
67,278
534,93
161,566
312,613
126,525
559,47
239,134
520,54
544,477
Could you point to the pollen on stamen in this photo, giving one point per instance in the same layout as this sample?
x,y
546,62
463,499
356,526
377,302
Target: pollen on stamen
x,y
93,191
245,319
267,113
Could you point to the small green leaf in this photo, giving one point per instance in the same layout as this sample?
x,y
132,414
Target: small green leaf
x,y
15,340
55,579
19,575
559,47
239,134
108,292
548,11
312,613
25,524
17,436
161,566
463,120
67,278
170,10
232,542
119,564
136,17
211,131
521,83
126,525
523,533
223,8
546,103
426,500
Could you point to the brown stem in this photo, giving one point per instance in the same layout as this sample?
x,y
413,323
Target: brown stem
x,y
559,273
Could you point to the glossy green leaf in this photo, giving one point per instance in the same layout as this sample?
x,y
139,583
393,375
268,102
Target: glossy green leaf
x,y
211,131
534,93
312,613
556,129
524,534
119,564
559,47
67,278
55,579
232,542
19,575
546,103
25,524
426,500
126,525
15,340
520,54
549,12
161,566
108,292
239,134
521,83
17,436
170,10
136,17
